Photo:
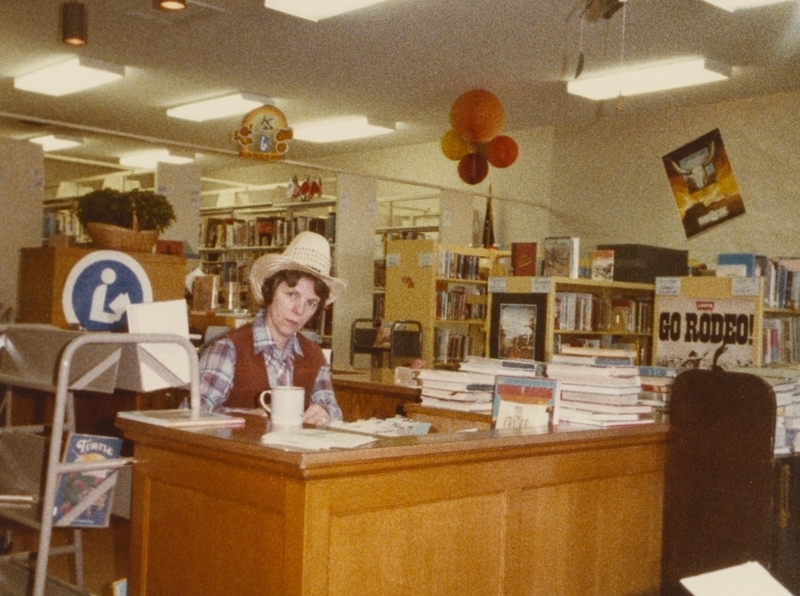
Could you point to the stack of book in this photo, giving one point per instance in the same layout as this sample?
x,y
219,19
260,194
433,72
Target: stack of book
x,y
657,388
456,390
599,387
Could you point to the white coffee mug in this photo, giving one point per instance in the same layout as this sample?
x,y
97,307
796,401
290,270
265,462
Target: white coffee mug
x,y
286,405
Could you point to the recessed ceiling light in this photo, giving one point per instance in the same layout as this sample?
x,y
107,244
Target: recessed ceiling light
x,y
646,79
219,107
343,129
56,142
71,76
316,10
151,159
732,5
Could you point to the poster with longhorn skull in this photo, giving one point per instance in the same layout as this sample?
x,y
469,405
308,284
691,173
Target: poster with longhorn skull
x,y
703,184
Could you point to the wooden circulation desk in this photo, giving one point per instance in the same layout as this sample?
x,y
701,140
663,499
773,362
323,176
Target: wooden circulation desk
x,y
488,512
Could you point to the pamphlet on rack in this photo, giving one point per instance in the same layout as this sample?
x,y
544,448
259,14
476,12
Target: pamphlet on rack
x,y
313,439
182,418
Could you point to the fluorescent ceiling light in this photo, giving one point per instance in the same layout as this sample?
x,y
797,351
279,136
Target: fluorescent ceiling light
x,y
150,159
732,5
71,76
220,107
345,129
316,10
56,142
645,79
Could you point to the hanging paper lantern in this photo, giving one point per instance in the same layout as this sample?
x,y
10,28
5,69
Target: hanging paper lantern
x,y
473,168
502,151
453,146
477,116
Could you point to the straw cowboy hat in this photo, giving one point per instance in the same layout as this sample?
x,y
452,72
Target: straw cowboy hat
x,y
308,252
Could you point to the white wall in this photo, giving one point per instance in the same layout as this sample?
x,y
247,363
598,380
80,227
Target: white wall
x,y
605,181
21,202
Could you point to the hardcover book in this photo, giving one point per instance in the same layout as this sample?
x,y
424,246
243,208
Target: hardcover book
x,y
523,259
84,499
561,256
525,402
517,326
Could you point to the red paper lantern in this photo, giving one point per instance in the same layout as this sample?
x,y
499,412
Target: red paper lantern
x,y
502,151
477,116
453,146
473,168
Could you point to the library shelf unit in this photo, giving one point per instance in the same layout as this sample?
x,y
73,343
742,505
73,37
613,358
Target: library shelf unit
x,y
58,362
577,311
444,287
231,238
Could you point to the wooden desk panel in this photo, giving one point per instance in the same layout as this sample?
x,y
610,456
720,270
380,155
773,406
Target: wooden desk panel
x,y
566,513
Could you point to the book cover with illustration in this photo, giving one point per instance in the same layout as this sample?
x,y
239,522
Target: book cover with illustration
x,y
525,402
561,256
70,506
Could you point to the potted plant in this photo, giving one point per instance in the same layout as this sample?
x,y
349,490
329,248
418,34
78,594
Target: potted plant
x,y
125,220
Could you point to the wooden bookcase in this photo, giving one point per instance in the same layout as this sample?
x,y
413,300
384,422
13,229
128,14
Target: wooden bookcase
x,y
444,287
613,312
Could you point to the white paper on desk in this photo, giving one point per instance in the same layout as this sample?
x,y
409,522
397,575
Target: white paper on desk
x,y
314,439
748,579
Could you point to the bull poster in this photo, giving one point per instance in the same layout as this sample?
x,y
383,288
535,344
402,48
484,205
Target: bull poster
x,y
703,184
692,332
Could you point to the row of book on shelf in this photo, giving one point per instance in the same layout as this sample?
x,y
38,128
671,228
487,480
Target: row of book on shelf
x,y
598,387
461,303
584,311
781,275
273,231
453,265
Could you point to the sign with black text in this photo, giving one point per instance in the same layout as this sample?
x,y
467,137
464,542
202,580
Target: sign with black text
x,y
693,332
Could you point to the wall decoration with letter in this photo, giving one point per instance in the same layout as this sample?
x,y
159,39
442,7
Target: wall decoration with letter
x,y
703,184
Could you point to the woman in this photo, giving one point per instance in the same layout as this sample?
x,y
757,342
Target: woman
x,y
291,287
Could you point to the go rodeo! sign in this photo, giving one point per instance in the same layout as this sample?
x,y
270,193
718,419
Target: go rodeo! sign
x,y
692,331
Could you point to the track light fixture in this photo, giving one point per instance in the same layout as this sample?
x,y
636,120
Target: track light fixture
x,y
170,4
73,23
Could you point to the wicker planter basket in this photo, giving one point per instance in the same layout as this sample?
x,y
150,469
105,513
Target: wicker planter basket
x,y
123,239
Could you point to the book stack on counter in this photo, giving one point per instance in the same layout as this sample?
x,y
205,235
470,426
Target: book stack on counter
x,y
656,389
471,387
456,390
599,387
785,383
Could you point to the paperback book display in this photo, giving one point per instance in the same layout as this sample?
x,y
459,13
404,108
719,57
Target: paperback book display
x,y
456,390
603,389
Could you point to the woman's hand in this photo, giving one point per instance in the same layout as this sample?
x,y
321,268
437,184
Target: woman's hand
x,y
316,415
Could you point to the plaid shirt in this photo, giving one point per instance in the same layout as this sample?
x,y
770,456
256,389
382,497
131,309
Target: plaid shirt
x,y
218,360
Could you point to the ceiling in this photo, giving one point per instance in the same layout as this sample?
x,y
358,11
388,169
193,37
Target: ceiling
x,y
403,60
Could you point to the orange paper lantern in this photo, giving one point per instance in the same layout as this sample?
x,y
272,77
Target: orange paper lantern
x,y
477,116
502,151
453,146
473,168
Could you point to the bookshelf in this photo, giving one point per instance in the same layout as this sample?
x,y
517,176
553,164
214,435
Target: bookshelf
x,y
576,312
444,287
230,239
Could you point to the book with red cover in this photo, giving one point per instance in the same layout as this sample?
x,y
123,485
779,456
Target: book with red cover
x,y
523,259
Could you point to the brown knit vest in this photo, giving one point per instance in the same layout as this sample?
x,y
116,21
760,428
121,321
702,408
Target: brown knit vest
x,y
250,372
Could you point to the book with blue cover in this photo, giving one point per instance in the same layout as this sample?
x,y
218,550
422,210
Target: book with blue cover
x,y
84,498
737,261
